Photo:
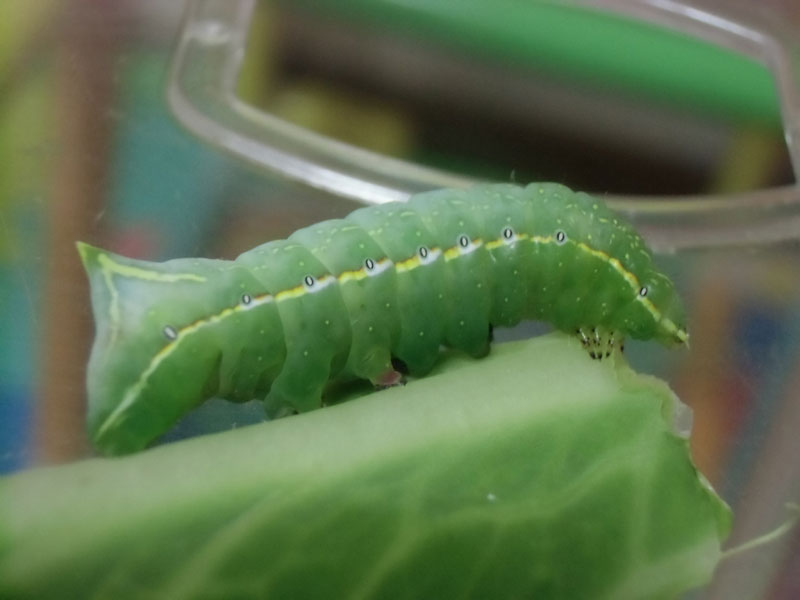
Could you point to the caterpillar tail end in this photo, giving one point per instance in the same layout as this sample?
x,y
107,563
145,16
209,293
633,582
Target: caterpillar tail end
x,y
87,253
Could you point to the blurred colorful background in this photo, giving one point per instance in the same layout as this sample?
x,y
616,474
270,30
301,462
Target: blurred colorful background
x,y
90,151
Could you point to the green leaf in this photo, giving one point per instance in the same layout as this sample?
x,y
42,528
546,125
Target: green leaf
x,y
536,472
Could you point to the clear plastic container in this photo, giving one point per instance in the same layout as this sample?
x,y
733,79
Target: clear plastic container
x,y
202,94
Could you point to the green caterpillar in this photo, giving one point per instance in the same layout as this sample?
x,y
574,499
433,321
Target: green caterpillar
x,y
344,298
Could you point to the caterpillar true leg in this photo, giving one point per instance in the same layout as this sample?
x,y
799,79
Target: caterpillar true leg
x,y
599,342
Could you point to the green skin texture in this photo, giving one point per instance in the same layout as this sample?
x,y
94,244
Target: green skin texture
x,y
172,334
